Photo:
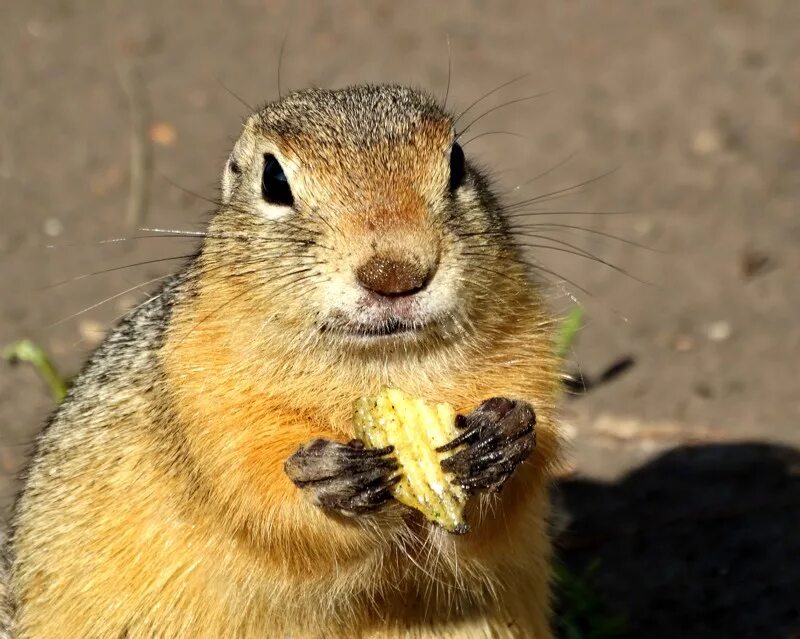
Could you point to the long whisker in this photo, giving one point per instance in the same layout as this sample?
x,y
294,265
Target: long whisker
x,y
563,190
233,299
500,106
146,229
487,269
325,221
262,268
116,240
526,230
255,260
449,72
83,276
480,135
578,252
116,318
554,226
280,62
235,95
261,256
203,198
539,176
536,265
233,207
109,299
183,189
472,282
541,213
490,93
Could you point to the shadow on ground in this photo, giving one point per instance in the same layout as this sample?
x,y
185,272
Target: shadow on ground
x,y
703,542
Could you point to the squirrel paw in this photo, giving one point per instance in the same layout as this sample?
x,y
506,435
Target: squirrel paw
x,y
499,435
347,478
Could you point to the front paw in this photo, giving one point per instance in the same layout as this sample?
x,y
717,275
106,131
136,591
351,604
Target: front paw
x,y
346,478
499,435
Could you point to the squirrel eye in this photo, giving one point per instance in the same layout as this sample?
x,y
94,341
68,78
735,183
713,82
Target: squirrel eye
x,y
274,185
456,166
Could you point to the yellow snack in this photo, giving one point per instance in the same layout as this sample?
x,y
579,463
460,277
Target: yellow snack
x,y
415,428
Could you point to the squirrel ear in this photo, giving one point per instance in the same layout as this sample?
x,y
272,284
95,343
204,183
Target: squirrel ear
x,y
229,174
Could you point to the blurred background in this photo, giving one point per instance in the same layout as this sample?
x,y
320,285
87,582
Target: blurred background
x,y
682,494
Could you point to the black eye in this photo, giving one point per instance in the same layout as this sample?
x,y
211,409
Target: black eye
x,y
274,185
456,166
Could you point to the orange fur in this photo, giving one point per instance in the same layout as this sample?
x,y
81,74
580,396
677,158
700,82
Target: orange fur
x,y
158,505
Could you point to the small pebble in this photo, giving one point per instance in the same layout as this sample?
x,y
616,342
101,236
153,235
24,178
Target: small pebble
x,y
719,331
683,344
704,390
162,133
753,262
707,142
53,227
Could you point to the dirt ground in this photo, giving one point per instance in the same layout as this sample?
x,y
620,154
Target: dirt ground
x,y
685,473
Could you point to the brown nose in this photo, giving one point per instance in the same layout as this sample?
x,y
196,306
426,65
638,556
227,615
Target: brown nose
x,y
392,277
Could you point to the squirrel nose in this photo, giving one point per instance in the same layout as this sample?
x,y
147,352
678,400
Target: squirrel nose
x,y
392,277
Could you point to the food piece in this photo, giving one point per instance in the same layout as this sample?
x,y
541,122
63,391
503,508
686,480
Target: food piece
x,y
416,428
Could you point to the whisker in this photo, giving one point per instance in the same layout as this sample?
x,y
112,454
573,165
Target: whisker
x,y
212,313
480,135
490,93
578,252
183,189
116,240
563,190
540,212
280,62
325,221
116,318
146,229
77,278
234,95
554,226
555,167
262,268
500,106
216,203
259,259
538,267
293,284
489,270
449,72
552,198
472,282
109,299
233,207
233,299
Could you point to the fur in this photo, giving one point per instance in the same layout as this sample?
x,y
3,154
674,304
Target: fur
x,y
156,504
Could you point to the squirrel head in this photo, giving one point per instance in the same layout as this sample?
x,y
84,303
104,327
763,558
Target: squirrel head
x,y
352,217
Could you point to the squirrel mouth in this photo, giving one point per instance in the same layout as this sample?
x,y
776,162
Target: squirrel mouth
x,y
386,328
379,318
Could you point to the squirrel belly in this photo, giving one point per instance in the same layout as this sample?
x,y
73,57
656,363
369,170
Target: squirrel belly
x,y
158,504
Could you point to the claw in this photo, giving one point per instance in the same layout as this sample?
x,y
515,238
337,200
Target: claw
x,y
498,436
347,478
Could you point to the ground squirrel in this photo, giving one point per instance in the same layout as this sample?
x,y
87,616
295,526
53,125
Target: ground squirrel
x,y
200,480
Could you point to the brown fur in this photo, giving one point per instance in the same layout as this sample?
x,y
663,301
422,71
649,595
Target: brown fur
x,y
157,504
